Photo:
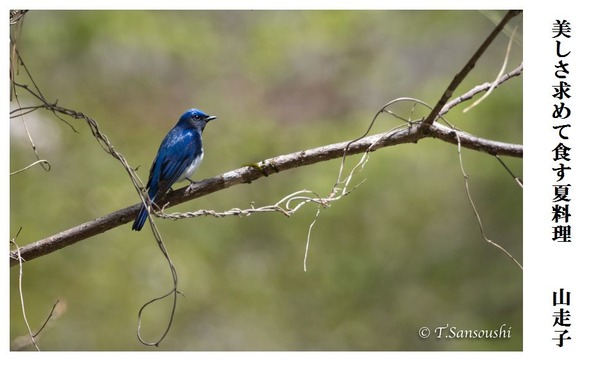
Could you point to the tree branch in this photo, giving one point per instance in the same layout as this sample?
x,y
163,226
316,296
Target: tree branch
x,y
264,168
460,76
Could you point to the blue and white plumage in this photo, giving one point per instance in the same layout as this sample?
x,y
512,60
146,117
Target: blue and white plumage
x,y
178,157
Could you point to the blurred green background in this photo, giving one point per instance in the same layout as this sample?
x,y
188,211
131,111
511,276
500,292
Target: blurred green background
x,y
401,252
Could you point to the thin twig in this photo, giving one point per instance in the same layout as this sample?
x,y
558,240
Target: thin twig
x,y
474,208
47,321
497,80
174,290
517,179
479,89
310,228
460,76
22,296
44,163
22,342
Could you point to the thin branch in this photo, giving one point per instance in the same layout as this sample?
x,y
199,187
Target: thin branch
x,y
460,76
515,178
481,88
48,319
21,295
23,342
174,291
310,228
44,163
479,222
500,73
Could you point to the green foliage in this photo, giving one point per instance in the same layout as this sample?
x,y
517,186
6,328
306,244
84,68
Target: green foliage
x,y
400,252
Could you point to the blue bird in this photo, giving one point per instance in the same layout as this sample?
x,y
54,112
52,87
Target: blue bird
x,y
178,156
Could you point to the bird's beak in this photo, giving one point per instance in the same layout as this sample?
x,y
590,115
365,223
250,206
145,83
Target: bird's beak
x,y
210,118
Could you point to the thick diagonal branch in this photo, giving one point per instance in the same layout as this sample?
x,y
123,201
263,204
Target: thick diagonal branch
x,y
263,168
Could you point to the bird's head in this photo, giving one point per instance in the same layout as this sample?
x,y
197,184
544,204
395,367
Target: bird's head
x,y
195,118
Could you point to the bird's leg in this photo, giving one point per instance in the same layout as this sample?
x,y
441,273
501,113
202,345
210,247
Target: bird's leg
x,y
191,182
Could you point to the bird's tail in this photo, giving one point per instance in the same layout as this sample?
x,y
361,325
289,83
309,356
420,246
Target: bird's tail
x,y
140,220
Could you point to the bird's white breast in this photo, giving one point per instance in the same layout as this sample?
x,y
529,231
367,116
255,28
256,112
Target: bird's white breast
x,y
187,174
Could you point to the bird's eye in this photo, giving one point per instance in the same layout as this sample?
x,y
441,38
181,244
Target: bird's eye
x,y
196,117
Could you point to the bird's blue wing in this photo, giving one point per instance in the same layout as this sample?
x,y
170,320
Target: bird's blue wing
x,y
176,153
